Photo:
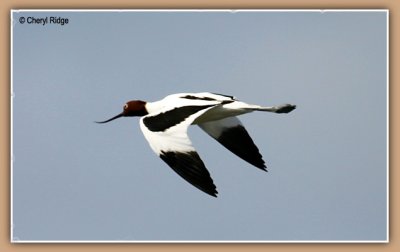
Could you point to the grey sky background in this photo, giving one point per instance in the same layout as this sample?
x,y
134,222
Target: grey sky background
x,y
76,180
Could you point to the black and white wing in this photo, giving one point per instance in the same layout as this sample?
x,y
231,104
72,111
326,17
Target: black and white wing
x,y
231,133
166,133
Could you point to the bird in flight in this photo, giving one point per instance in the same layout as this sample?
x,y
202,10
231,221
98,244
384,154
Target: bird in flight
x,y
165,124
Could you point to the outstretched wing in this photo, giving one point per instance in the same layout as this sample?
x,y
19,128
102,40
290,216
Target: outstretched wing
x,y
166,133
231,133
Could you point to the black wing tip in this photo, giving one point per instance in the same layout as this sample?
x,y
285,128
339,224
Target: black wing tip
x,y
261,167
210,189
214,194
189,166
238,141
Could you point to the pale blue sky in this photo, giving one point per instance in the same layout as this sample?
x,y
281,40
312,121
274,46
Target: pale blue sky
x,y
77,180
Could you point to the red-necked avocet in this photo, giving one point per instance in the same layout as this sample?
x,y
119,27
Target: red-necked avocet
x,y
165,123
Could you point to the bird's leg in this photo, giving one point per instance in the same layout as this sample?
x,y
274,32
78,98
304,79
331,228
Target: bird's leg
x,y
284,108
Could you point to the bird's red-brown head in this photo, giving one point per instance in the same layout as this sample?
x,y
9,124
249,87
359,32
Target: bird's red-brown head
x,y
131,108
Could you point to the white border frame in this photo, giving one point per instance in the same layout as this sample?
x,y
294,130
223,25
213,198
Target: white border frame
x,y
16,240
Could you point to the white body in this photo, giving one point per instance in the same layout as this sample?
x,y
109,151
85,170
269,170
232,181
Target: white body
x,y
165,128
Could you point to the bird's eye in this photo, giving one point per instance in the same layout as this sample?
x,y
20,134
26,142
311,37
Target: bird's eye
x,y
126,106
